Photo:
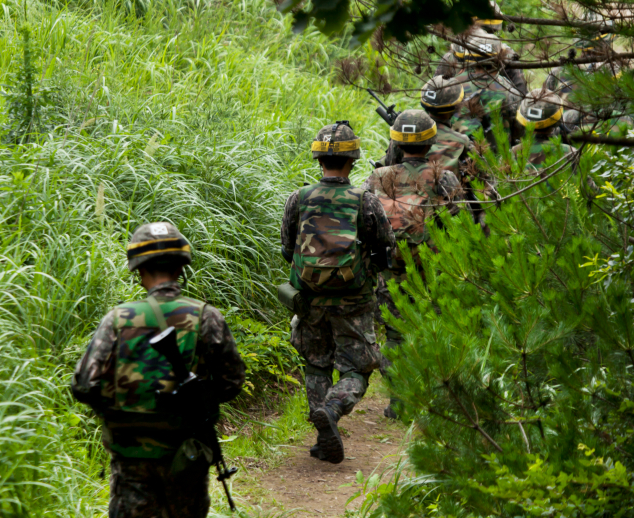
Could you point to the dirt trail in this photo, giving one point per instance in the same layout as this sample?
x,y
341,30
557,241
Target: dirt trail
x,y
312,487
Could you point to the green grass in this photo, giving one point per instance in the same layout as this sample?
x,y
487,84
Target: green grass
x,y
202,117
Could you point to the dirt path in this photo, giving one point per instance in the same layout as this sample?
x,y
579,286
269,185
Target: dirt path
x,y
312,487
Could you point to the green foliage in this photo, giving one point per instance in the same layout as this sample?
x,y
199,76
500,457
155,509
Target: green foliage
x,y
30,102
516,366
209,129
401,20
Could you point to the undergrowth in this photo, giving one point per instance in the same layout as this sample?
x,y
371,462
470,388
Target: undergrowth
x,y
200,113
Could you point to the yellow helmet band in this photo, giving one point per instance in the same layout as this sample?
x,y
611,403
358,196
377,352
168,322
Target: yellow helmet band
x,y
554,118
412,137
337,147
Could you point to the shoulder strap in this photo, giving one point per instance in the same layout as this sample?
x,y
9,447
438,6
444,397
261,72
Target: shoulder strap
x,y
160,318
360,220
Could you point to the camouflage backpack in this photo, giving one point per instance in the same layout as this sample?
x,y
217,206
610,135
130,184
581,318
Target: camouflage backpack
x,y
404,191
139,370
327,254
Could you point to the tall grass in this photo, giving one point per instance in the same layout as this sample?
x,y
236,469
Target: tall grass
x,y
200,113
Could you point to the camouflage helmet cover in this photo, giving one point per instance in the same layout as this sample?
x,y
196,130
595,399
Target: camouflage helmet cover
x,y
596,41
441,96
541,107
572,120
336,140
488,45
157,240
414,127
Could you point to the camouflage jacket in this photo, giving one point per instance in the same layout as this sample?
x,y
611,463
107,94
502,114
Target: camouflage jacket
x,y
449,66
397,188
483,91
541,148
375,235
451,148
153,434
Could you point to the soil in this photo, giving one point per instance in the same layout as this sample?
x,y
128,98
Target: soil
x,y
310,487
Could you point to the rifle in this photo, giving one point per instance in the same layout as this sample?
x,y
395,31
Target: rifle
x,y
189,388
387,113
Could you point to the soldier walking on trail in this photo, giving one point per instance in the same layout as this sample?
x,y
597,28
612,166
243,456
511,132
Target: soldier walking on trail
x,y
329,232
453,61
484,88
411,193
124,378
545,110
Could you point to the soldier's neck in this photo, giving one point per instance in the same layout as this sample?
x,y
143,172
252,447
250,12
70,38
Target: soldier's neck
x,y
151,279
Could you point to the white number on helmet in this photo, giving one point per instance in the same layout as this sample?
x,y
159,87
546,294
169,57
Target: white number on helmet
x,y
535,113
409,128
158,229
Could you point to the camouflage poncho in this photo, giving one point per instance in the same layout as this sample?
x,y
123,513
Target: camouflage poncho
x,y
450,150
120,371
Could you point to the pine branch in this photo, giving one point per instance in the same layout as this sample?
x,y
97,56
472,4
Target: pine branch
x,y
603,139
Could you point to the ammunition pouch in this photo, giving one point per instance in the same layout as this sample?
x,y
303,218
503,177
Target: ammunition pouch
x,y
292,298
192,460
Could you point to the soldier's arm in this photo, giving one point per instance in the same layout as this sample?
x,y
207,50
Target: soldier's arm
x,y
449,190
220,356
378,231
93,368
290,223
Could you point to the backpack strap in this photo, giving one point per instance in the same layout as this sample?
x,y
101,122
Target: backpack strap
x,y
160,318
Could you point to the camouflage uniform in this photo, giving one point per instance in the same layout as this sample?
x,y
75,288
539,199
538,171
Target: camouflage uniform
x,y
408,192
338,332
329,232
120,374
544,109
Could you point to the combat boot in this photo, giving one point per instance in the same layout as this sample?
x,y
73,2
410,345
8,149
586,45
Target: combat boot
x,y
316,452
328,439
390,410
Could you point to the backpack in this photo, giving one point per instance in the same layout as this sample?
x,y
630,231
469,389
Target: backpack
x,y
327,255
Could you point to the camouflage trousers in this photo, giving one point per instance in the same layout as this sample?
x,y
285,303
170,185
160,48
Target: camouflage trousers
x,y
143,488
342,338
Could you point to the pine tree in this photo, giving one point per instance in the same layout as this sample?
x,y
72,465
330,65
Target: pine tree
x,y
517,364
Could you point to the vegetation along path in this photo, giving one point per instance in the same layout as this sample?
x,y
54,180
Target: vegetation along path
x,y
309,487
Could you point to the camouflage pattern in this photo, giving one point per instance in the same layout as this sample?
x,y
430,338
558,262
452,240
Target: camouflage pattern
x,y
440,96
336,133
340,337
451,149
111,375
410,193
157,240
375,234
327,255
616,125
449,67
542,107
541,148
488,47
483,91
414,121
142,488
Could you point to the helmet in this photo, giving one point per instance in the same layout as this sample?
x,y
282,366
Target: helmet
x,y
336,139
414,127
595,43
491,26
441,96
572,120
488,45
157,240
542,107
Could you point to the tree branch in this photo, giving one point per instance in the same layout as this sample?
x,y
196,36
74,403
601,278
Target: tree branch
x,y
603,139
599,27
524,65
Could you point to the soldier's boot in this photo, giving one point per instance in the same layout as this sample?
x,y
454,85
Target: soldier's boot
x,y
316,452
328,439
390,410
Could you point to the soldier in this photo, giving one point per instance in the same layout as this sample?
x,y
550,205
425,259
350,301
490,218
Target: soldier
x,y
545,109
452,61
563,82
329,231
440,97
484,87
121,375
410,193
